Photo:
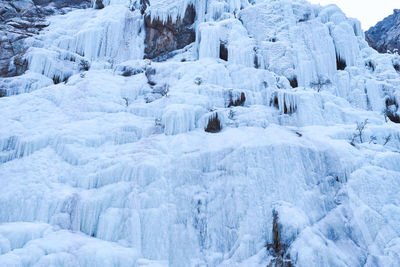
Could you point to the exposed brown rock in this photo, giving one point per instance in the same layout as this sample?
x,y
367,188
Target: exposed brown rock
x,y
278,249
164,37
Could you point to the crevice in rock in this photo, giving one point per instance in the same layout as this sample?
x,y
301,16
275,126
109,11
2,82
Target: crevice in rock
x,y
57,79
98,4
391,110
256,62
278,249
370,65
223,51
238,101
340,63
214,124
293,82
396,66
287,106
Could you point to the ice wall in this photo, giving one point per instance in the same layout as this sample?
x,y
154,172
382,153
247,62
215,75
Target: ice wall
x,y
110,35
105,161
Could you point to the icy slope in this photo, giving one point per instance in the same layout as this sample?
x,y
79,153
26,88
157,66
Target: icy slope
x,y
105,160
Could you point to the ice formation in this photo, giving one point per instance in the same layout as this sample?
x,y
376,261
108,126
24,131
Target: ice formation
x,y
105,161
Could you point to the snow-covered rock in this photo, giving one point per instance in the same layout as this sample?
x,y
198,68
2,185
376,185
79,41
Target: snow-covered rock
x,y
270,138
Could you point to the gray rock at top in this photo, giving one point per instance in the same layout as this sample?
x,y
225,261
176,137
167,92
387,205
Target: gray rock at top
x,y
385,36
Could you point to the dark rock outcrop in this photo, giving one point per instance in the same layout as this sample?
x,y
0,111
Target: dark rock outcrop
x,y
98,4
293,82
164,37
214,124
385,36
237,100
140,5
340,63
223,52
22,19
392,110
278,249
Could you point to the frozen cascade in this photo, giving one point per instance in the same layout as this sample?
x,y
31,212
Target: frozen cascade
x,y
26,83
112,35
105,161
374,95
316,54
240,50
180,119
346,44
287,102
165,10
209,42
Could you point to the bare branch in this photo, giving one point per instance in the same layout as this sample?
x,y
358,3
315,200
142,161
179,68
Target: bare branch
x,y
387,139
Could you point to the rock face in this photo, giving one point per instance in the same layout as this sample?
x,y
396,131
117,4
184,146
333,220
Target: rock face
x,y
22,19
385,36
164,37
98,4
278,249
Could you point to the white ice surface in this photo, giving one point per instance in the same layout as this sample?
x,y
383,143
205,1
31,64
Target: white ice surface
x,y
104,170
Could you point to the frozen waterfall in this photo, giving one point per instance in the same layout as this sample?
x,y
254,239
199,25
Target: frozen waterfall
x,y
105,159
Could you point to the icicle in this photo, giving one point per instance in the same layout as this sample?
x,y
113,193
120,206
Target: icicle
x,y
285,101
209,42
234,5
118,38
215,10
179,119
113,34
358,31
111,2
13,147
346,44
331,13
315,53
26,83
240,53
343,84
50,64
166,10
240,46
373,90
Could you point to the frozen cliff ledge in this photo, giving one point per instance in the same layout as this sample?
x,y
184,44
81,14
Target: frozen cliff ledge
x,y
163,37
385,36
20,20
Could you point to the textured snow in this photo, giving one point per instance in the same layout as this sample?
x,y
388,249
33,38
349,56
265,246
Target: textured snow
x,y
111,166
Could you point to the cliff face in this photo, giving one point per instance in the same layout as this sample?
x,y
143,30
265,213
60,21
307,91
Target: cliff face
x,y
164,37
385,36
